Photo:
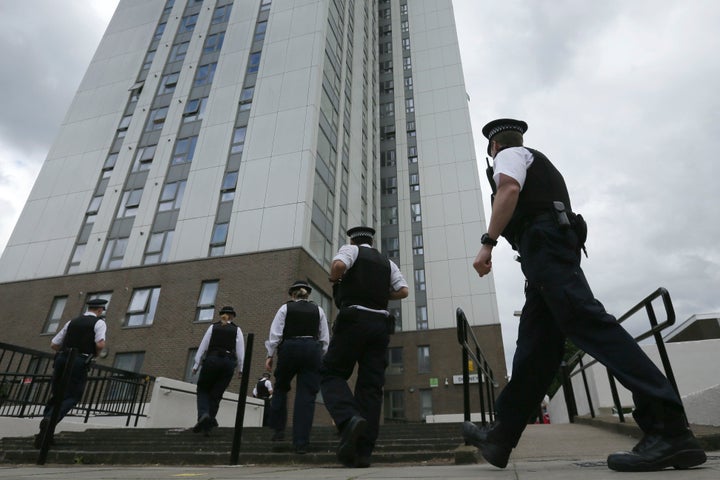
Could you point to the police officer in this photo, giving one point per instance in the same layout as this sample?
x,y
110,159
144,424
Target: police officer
x,y
85,334
299,334
364,280
264,390
532,210
221,350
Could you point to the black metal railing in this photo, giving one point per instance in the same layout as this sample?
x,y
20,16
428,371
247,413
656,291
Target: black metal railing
x,y
575,365
25,387
486,380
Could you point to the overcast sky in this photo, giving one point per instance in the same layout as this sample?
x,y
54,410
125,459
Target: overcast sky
x,y
621,95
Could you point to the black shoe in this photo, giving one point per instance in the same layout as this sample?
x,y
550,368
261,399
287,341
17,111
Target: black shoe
x,y
352,430
204,424
301,449
278,436
656,452
496,453
362,461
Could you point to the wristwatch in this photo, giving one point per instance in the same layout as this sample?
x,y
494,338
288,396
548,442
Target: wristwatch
x,y
486,240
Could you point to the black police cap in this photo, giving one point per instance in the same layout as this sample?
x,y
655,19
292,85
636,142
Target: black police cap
x,y
502,125
299,284
361,231
97,303
228,310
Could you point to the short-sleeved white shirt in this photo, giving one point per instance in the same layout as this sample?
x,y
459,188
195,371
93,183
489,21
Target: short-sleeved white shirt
x,y
513,162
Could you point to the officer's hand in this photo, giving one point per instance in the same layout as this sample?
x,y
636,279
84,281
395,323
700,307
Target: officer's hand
x,y
268,364
195,371
483,261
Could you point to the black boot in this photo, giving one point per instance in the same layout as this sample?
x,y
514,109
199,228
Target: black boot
x,y
657,452
493,450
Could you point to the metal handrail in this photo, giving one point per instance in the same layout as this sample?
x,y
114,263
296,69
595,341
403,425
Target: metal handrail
x,y
575,365
472,351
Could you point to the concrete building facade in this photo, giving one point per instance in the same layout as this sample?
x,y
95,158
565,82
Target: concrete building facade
x,y
218,150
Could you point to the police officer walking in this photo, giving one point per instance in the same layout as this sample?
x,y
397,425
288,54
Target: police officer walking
x,y
532,210
86,334
364,281
221,350
299,334
264,390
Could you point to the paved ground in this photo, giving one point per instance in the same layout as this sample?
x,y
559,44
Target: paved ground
x,y
557,452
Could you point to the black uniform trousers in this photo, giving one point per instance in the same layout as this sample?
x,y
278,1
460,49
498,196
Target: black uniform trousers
x,y
75,387
299,357
359,337
560,304
215,376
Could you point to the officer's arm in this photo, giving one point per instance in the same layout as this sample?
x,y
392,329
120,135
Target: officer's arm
x,y
337,270
55,346
99,346
399,294
506,199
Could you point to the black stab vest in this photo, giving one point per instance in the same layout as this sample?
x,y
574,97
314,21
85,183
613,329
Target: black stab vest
x,y
544,184
366,283
262,390
81,334
223,337
302,319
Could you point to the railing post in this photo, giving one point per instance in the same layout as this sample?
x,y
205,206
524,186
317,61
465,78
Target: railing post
x,y
240,414
616,397
587,390
568,392
480,369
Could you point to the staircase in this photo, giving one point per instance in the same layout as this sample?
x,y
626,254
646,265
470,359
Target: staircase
x,y
398,443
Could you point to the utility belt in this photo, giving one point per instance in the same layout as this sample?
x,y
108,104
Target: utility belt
x,y
387,318
222,353
559,217
301,337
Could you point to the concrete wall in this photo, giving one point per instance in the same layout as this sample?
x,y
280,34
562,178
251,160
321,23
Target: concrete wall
x,y
692,364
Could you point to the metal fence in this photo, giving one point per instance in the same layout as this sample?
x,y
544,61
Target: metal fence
x,y
25,387
486,380
576,366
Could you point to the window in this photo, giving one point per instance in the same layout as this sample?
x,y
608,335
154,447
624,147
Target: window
x,y
221,14
114,253
415,214
94,205
143,304
184,150
418,245
159,31
54,316
144,158
178,52
386,66
409,105
124,124
119,389
423,359
76,258
171,196
404,26
406,44
389,215
265,5
407,64
168,83
148,59
426,407
421,318
158,247
388,185
214,42
387,158
156,118
414,182
187,24
191,377
238,140
387,109
227,190
205,74
130,203
394,404
219,237
397,313
206,301
385,48
408,83
394,361
420,279
194,110
253,62
168,6
391,247
260,32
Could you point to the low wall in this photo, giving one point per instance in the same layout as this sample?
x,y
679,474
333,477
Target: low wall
x,y
174,405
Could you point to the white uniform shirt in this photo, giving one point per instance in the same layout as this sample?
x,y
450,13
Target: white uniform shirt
x,y
278,325
349,253
513,162
100,330
205,343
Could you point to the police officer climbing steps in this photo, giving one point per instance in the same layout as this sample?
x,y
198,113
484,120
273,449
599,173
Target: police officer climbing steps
x,y
299,335
364,280
221,350
532,210
85,334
